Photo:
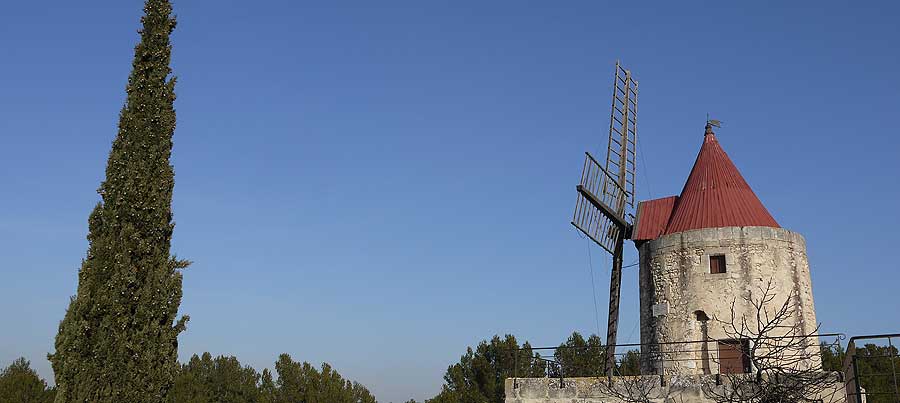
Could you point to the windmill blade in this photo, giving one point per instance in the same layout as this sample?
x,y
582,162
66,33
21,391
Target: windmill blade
x,y
606,191
621,149
595,214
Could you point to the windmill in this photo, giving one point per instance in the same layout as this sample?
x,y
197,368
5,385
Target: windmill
x,y
606,194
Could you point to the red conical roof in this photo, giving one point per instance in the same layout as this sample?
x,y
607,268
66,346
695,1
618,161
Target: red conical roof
x,y
716,195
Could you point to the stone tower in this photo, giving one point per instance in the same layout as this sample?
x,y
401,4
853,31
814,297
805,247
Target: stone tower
x,y
704,251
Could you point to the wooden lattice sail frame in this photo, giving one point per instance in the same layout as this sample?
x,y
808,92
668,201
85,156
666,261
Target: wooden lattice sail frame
x,y
606,193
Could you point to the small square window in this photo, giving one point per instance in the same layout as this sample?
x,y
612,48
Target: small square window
x,y
717,264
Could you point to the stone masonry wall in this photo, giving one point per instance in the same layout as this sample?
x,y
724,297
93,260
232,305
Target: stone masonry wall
x,y
681,389
677,289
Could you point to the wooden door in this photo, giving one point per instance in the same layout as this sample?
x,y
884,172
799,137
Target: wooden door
x,y
734,356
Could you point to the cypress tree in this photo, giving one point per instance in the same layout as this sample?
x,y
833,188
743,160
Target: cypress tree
x,y
118,341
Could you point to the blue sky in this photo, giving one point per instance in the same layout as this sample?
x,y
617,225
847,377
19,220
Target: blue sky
x,y
381,184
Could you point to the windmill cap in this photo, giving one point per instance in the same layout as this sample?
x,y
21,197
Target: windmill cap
x,y
715,195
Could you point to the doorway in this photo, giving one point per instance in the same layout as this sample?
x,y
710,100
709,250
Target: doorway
x,y
734,356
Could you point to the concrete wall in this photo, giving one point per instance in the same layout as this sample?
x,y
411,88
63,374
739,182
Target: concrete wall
x,y
676,283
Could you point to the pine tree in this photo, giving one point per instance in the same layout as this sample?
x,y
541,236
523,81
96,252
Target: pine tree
x,y
578,357
21,384
268,392
118,340
480,374
205,379
302,382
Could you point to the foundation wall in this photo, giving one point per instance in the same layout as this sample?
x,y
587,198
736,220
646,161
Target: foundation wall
x,y
682,389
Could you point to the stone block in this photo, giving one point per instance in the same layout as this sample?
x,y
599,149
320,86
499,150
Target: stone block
x,y
669,241
782,235
561,389
661,309
692,237
532,388
798,239
659,245
590,387
753,233
728,232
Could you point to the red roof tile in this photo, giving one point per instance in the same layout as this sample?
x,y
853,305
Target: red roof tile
x,y
716,195
652,218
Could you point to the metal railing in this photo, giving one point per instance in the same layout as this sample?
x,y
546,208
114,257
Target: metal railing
x,y
870,372
871,367
695,357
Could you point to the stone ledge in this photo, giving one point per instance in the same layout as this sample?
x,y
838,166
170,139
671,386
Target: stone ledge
x,y
715,236
681,388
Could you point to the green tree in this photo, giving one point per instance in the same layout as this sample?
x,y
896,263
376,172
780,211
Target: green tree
x,y
21,384
876,365
480,374
118,340
629,364
301,382
832,356
220,380
267,391
361,394
580,357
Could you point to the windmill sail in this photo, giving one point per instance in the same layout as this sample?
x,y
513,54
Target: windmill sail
x,y
620,152
605,192
597,210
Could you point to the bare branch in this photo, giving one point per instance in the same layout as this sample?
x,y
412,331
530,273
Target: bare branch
x,y
785,365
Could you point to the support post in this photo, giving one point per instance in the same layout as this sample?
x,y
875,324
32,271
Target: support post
x,y
612,324
859,396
